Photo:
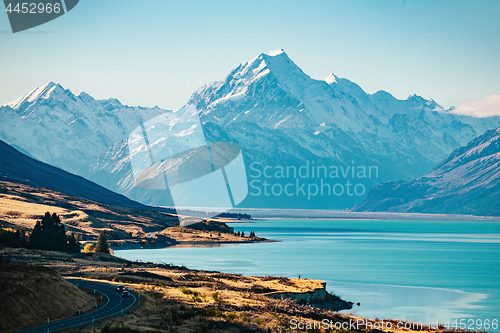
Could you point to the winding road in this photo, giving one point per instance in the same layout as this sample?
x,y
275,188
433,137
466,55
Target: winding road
x,y
115,304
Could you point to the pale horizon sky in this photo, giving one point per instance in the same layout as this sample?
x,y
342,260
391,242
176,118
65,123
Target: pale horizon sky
x,y
159,52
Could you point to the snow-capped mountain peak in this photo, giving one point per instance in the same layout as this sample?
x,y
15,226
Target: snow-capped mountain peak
x,y
42,92
330,79
256,89
422,103
239,82
57,127
278,63
276,53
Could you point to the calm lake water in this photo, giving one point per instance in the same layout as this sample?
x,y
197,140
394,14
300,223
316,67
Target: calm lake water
x,y
412,270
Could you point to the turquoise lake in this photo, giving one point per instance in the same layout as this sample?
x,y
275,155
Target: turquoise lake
x,y
412,270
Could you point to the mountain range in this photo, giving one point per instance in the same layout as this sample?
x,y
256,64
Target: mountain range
x,y
277,114
65,130
466,182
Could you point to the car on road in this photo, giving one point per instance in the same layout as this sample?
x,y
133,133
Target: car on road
x,y
125,294
120,288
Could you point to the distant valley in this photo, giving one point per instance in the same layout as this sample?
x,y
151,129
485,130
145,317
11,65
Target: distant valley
x,y
466,182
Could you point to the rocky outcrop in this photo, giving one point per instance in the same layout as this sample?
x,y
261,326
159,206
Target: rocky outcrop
x,y
319,297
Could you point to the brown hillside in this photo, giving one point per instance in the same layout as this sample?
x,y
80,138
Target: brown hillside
x,y
22,205
31,294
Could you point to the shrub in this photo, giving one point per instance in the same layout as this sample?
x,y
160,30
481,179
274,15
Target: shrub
x,y
209,312
215,297
231,316
195,298
187,291
88,248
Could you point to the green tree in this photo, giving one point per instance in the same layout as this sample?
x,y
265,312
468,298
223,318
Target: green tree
x,y
73,243
36,237
49,234
13,238
23,241
102,244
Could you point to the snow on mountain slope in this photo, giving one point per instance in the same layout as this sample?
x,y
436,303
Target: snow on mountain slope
x,y
274,93
280,116
65,130
277,114
467,182
43,92
277,93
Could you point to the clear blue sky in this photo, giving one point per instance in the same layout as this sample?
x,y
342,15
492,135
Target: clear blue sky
x,y
158,52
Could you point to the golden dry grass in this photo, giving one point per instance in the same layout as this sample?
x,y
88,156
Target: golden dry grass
x,y
187,236
22,205
176,299
31,294
18,211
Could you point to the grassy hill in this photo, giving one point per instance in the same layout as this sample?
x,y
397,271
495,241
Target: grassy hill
x,y
21,205
31,294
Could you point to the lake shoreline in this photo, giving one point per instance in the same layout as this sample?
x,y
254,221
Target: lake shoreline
x,y
223,300
138,245
323,214
387,266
